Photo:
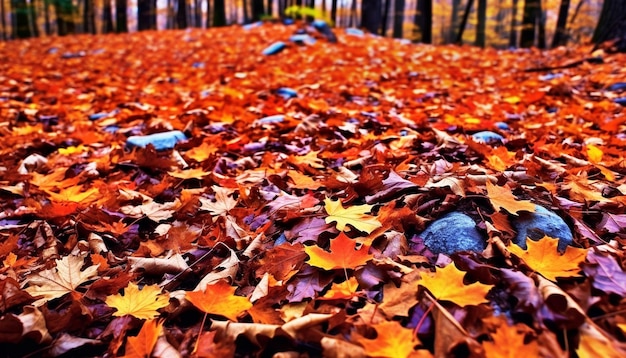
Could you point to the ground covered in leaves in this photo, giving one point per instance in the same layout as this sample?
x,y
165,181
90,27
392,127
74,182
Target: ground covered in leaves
x,y
289,218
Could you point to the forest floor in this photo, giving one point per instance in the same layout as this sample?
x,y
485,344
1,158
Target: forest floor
x,y
289,217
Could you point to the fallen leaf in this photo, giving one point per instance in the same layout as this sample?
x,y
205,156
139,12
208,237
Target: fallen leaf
x,y
343,254
509,342
543,257
392,340
355,216
502,198
219,299
142,304
142,345
446,284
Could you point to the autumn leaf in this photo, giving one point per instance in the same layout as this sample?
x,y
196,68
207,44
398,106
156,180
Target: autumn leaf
x,y
344,290
343,254
196,173
509,342
502,198
60,280
355,216
142,304
223,202
543,257
594,153
75,194
219,299
392,340
142,345
447,285
202,152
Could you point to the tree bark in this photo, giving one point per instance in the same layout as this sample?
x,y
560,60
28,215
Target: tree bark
x,y
219,13
481,25
19,17
529,22
197,13
424,20
64,11
541,28
612,22
468,9
146,15
107,17
121,23
3,21
386,4
370,15
333,12
454,21
208,13
398,19
560,34
181,14
513,32
89,17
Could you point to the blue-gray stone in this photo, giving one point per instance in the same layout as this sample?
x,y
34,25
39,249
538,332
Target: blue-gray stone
x,y
252,25
487,137
452,233
160,141
620,101
302,39
274,48
542,222
502,126
99,115
354,32
618,86
287,92
277,118
550,76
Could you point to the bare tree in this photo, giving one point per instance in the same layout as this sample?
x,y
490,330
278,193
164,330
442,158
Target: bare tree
x,y
424,20
398,18
481,25
560,34
612,25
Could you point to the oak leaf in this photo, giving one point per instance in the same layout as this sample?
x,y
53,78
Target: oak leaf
x,y
142,345
343,254
543,257
219,299
392,340
502,198
60,280
447,285
142,304
355,216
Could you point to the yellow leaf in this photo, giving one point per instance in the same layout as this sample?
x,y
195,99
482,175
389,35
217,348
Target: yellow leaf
x,y
73,150
512,100
344,290
594,154
75,194
392,340
354,216
447,285
202,152
543,257
142,304
196,173
60,280
502,198
509,342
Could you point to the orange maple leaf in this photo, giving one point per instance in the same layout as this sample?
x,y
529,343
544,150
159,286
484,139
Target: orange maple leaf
x,y
75,194
202,152
142,345
502,198
196,173
219,299
447,285
345,290
343,254
543,257
392,340
509,342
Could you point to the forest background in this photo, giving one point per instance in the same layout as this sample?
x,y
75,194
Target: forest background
x,y
497,23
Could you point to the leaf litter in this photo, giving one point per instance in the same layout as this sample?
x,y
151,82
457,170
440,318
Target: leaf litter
x,y
291,223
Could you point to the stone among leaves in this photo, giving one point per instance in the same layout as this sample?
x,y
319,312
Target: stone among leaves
x,y
539,224
451,233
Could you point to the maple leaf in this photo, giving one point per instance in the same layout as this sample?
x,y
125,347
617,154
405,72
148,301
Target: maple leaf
x,y
196,173
392,340
543,257
142,304
61,280
219,299
202,152
447,285
509,342
223,202
354,216
344,290
142,345
75,194
343,254
502,198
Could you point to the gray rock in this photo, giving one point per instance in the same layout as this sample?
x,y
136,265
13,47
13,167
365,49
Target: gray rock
x,y
487,137
542,222
451,233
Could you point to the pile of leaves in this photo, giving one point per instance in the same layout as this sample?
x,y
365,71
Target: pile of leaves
x,y
300,233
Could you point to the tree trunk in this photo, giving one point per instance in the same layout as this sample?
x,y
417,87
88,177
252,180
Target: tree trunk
x,y
197,13
121,23
208,13
612,23
246,15
64,10
107,17
257,10
560,34
370,15
219,13
19,17
269,10
541,28
146,15
513,32
529,22
3,21
424,20
181,14
89,17
352,20
333,12
481,25
386,4
398,19
468,9
454,21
